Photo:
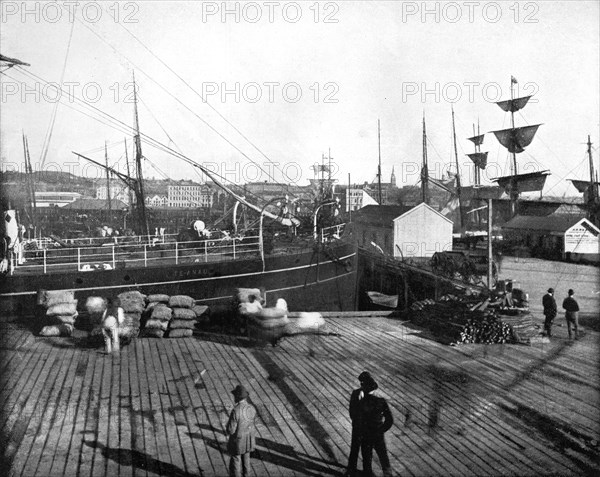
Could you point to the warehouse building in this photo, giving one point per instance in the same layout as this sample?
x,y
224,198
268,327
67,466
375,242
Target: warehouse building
x,y
567,237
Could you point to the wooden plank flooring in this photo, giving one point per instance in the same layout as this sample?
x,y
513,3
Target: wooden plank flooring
x,y
159,408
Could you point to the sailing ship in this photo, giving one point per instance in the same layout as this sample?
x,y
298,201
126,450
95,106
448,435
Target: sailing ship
x,y
309,274
590,189
515,140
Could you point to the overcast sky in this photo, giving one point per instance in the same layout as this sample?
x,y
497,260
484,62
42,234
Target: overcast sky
x,y
299,78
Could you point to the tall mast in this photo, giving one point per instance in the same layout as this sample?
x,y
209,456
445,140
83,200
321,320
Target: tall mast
x,y
129,174
424,171
477,173
514,191
479,163
329,166
516,139
107,181
29,174
458,188
592,199
589,151
140,196
512,125
379,166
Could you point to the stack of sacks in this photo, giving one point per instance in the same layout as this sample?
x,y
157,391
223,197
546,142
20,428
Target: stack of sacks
x,y
184,317
156,329
159,315
266,324
61,312
202,313
132,303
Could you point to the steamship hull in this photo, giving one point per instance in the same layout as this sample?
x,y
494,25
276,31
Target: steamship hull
x,y
309,280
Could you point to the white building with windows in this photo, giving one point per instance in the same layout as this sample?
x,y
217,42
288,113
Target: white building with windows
x,y
357,199
118,191
188,194
157,200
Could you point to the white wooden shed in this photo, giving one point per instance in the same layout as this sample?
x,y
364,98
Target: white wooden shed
x,y
583,239
420,232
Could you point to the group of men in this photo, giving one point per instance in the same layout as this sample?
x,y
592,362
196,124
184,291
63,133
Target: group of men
x,y
571,308
371,419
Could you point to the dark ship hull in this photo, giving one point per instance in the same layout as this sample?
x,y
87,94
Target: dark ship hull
x,y
309,280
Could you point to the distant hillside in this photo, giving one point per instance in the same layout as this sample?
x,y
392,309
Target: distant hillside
x,y
45,181
14,185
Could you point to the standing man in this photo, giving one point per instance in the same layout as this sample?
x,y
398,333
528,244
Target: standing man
x,y
355,416
571,313
240,430
550,310
375,420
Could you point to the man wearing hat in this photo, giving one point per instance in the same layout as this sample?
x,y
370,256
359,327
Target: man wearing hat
x,y
376,419
550,310
371,418
355,398
571,313
240,430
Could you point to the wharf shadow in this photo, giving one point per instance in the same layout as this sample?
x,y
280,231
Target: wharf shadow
x,y
139,460
582,449
430,333
590,321
276,453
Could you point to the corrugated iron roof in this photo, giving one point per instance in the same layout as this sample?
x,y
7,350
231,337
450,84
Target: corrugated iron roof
x,y
548,223
379,215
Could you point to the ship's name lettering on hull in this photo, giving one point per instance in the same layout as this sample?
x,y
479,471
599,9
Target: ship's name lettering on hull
x,y
197,272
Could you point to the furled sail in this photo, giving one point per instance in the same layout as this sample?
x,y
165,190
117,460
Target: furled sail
x,y
477,140
582,186
531,182
517,139
513,105
479,159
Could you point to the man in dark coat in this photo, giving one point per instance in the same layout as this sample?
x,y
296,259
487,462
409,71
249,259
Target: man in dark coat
x,y
375,420
354,410
240,430
550,310
571,313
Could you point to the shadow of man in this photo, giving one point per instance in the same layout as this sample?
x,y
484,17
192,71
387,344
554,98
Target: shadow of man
x,y
140,460
275,453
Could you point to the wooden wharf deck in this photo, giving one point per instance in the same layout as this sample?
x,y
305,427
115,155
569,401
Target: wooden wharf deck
x,y
159,407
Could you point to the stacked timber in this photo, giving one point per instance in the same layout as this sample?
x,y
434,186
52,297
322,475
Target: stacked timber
x,y
183,318
461,320
60,310
524,329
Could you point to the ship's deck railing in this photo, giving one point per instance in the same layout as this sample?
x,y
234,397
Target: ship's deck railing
x,y
120,239
333,232
111,256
